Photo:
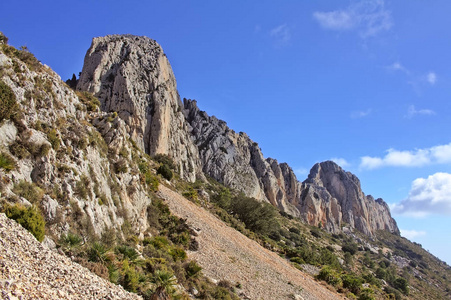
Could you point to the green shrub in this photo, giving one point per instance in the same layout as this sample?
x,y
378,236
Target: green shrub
x,y
29,191
350,247
30,218
178,254
147,176
91,102
366,294
8,104
130,279
127,252
97,253
7,163
258,216
297,260
401,284
164,281
165,171
352,283
165,159
192,269
330,276
223,198
191,194
70,240
54,140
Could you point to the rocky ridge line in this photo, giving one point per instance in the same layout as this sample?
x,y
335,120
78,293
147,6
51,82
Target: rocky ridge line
x,y
131,75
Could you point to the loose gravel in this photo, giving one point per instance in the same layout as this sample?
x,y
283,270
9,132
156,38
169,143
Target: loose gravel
x,y
225,253
30,270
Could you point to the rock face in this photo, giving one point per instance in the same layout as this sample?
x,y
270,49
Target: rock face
x,y
132,76
68,153
236,161
90,157
338,198
330,196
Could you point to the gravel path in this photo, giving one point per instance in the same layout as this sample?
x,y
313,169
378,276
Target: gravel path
x,y
224,253
29,270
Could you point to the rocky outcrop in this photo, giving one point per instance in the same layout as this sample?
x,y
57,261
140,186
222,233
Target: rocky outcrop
x,y
338,197
69,154
132,76
236,161
330,197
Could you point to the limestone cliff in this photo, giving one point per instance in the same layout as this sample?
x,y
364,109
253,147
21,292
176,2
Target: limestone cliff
x,y
236,161
132,76
332,197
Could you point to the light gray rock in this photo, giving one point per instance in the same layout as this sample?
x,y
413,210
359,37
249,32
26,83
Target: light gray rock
x,y
345,201
132,76
8,133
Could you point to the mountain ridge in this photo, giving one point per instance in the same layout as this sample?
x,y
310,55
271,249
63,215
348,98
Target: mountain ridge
x,y
116,70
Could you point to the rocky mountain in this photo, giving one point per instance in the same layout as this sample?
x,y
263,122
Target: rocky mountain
x,y
88,162
131,76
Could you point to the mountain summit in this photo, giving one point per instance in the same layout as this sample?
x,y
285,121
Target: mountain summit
x,y
132,76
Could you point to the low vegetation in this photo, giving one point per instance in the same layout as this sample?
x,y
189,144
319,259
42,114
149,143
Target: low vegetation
x,y
348,267
29,217
8,104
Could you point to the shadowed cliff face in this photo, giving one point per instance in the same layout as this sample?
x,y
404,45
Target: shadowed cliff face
x,y
132,76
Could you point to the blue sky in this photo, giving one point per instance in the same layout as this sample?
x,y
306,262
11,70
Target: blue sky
x,y
365,83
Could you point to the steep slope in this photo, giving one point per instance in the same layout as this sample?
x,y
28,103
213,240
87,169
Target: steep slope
x,y
23,275
226,253
67,157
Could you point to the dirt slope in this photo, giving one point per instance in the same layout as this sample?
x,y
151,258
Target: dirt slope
x,y
225,253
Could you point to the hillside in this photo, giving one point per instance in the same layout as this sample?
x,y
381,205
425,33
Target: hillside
x,y
228,254
157,196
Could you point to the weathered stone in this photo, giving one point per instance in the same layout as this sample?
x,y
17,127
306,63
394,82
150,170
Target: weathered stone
x,y
132,76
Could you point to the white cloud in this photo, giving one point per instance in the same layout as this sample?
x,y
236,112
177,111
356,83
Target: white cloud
x,y
397,66
281,34
360,114
412,111
440,154
427,196
412,234
335,20
431,77
340,161
301,172
368,17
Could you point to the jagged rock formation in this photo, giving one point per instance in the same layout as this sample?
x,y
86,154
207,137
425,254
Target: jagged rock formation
x,y
332,197
132,76
236,161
